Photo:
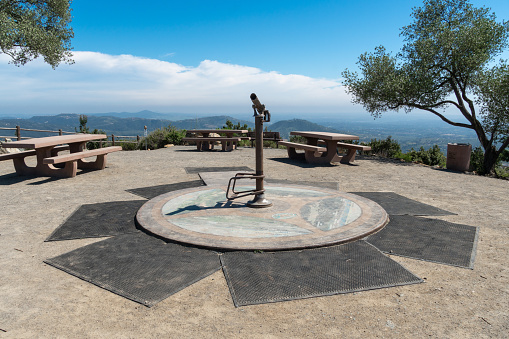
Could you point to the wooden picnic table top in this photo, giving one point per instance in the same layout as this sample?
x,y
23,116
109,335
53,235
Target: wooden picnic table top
x,y
53,140
218,130
325,135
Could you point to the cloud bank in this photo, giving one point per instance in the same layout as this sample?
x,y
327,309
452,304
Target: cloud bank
x,y
102,83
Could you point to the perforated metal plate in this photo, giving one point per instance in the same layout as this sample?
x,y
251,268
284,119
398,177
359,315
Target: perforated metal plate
x,y
396,204
138,266
99,220
256,278
428,239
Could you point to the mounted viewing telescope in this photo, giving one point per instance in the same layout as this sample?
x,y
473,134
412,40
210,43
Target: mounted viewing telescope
x,y
259,201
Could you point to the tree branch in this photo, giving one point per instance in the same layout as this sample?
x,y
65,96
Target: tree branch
x,y
441,116
502,147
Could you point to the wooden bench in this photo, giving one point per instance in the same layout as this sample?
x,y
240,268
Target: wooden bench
x,y
23,154
354,146
351,151
310,151
267,136
100,163
314,154
206,143
19,157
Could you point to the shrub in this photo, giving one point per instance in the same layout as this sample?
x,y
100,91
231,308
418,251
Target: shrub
x,y
386,148
477,160
128,146
163,136
504,156
174,135
298,138
269,144
431,157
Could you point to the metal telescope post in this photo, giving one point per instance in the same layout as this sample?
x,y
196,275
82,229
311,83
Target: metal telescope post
x,y
259,201
263,115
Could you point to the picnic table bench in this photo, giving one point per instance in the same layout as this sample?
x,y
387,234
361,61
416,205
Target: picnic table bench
x,y
206,143
267,136
318,154
46,150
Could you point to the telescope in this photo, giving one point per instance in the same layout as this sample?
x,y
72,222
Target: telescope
x,y
259,201
260,108
257,105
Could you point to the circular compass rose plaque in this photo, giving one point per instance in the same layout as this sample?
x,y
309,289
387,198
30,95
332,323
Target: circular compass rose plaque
x,y
301,217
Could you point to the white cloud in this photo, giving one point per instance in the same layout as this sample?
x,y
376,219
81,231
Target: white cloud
x,y
100,83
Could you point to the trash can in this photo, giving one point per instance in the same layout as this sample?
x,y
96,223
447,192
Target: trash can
x,y
458,156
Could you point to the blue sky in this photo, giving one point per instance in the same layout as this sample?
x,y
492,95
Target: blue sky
x,y
207,57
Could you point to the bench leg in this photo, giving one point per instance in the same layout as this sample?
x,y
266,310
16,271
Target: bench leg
x,y
21,167
292,154
313,157
68,171
204,145
227,146
99,163
349,157
328,157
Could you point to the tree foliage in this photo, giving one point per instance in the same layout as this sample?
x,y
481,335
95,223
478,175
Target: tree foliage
x,y
445,62
33,28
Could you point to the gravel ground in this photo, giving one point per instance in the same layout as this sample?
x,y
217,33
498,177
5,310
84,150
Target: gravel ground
x,y
39,301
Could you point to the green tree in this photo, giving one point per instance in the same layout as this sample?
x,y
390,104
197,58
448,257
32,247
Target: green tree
x,y
445,62
83,123
33,28
231,125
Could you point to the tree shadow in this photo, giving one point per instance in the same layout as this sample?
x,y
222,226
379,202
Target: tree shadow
x,y
299,163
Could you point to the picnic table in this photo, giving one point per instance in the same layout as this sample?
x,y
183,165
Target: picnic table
x,y
46,150
315,152
206,143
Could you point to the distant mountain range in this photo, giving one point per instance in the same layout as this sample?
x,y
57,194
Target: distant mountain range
x,y
284,127
134,125
408,133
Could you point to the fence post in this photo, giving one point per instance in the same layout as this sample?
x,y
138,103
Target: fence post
x,y
145,134
60,131
112,140
18,133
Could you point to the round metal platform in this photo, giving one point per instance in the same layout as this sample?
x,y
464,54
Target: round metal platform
x,y
301,217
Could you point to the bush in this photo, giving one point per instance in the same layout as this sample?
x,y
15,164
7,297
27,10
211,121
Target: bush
x,y
299,139
504,156
174,136
128,146
163,136
270,144
431,157
477,160
386,148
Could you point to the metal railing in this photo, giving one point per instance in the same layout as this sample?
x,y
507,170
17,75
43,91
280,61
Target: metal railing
x,y
113,139
18,130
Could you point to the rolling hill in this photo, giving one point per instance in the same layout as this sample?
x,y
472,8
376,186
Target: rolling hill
x,y
284,127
